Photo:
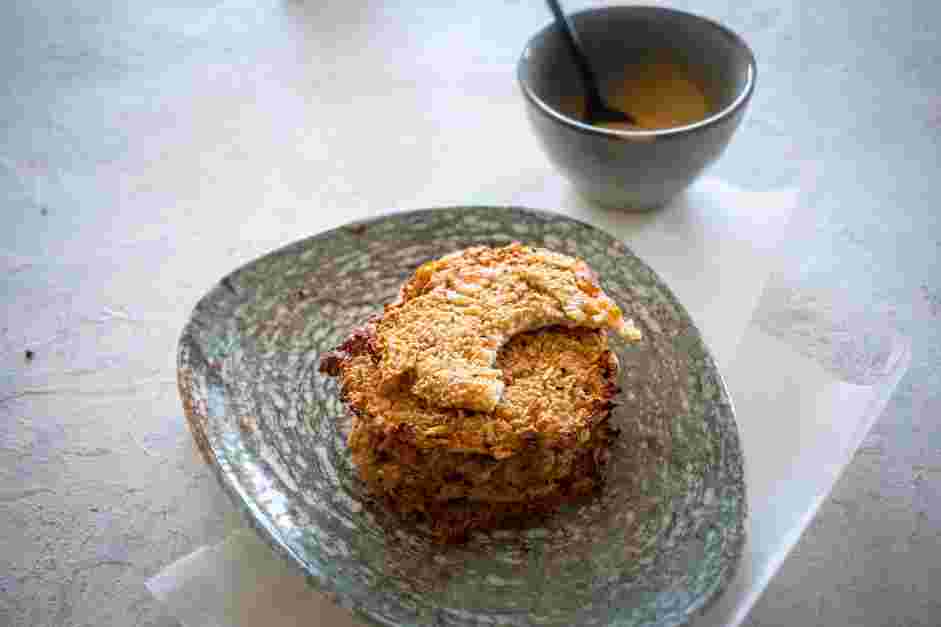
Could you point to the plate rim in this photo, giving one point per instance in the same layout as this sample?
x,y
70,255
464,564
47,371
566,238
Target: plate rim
x,y
248,509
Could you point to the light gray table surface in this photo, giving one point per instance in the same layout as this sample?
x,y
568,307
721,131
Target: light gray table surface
x,y
149,148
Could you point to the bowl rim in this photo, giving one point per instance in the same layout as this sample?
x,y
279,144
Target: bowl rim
x,y
737,104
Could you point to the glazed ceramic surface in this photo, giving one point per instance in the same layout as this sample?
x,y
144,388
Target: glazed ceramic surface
x,y
658,543
637,169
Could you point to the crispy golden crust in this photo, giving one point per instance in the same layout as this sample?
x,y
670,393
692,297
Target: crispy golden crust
x,y
557,380
458,492
545,443
454,314
481,397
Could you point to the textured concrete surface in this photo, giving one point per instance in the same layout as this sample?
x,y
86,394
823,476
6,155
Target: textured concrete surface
x,y
862,86
104,206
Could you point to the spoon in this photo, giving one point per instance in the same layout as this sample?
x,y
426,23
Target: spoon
x,y
596,111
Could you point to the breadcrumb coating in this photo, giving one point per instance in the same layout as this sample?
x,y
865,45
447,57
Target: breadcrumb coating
x,y
455,313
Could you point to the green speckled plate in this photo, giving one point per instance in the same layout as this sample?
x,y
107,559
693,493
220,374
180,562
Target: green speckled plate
x,y
654,548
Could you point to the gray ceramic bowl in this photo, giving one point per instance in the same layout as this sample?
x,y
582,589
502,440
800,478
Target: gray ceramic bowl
x,y
637,169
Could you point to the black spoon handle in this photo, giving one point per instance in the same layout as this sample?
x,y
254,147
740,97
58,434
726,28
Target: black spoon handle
x,y
594,100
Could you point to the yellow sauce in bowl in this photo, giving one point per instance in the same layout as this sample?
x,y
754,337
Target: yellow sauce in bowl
x,y
658,93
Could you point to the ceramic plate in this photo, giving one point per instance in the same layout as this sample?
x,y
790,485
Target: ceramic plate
x,y
654,548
